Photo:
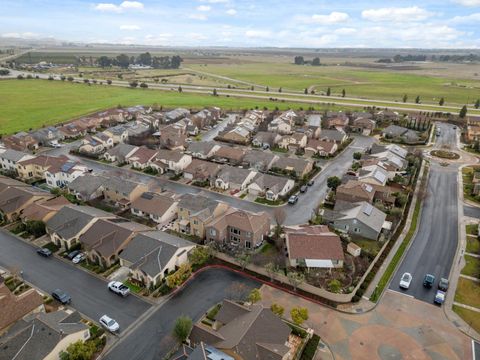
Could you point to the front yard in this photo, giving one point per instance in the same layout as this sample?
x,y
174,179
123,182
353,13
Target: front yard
x,y
472,266
468,186
468,292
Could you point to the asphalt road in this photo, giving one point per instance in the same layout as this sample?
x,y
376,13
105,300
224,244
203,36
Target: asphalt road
x,y
471,211
152,338
89,294
433,248
299,213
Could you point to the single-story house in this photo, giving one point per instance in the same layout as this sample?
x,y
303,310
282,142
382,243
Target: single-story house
x,y
43,210
201,171
266,139
231,155
336,135
13,200
120,153
321,148
141,157
202,149
174,161
233,178
269,186
300,167
260,160
161,208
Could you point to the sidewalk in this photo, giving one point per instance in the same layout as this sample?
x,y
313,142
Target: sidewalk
x,y
373,285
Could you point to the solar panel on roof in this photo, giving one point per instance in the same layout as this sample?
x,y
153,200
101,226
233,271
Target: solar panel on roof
x,y
368,188
67,166
148,196
367,209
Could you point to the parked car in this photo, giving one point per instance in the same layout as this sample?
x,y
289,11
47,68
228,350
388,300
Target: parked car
x,y
44,252
406,280
311,182
293,199
72,254
79,258
118,288
439,297
61,296
443,284
303,189
109,324
428,280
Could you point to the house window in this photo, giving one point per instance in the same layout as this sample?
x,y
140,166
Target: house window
x,y
357,230
213,232
248,234
235,231
234,239
30,174
248,244
195,222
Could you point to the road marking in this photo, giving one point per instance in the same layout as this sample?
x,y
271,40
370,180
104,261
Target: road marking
x,y
401,293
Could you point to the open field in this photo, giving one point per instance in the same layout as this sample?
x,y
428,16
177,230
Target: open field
x,y
34,103
366,83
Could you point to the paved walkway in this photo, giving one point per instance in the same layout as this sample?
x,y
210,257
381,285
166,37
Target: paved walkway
x,y
398,328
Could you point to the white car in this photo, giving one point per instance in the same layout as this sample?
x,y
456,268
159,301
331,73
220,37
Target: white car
x,y
405,280
78,258
109,324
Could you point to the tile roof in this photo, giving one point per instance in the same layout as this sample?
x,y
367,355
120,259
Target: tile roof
x,y
311,243
153,203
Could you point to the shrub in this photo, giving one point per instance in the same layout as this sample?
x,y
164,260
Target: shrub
x,y
212,313
179,276
299,315
310,348
277,309
182,328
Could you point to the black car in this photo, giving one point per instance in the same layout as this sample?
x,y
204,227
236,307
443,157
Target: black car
x,y
443,284
303,189
61,296
44,252
310,183
428,280
72,254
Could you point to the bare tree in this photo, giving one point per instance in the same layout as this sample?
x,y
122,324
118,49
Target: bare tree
x,y
271,270
295,279
243,260
16,273
279,216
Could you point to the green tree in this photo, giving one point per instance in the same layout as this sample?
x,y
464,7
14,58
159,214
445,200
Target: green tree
x,y
299,315
401,199
144,85
343,93
70,78
243,260
180,89
254,296
334,286
215,92
305,91
333,182
441,102
104,61
277,309
109,82
357,155
35,227
329,91
295,279
122,60
477,104
271,270
316,61
133,84
200,255
182,328
417,99
279,89
145,59
267,89
79,351
405,98
299,60
463,112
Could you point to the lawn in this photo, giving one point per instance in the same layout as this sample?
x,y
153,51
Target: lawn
x,y
369,246
472,318
377,84
28,104
473,245
468,292
472,266
472,229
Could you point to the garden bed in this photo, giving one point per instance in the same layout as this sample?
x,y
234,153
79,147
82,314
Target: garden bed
x,y
444,154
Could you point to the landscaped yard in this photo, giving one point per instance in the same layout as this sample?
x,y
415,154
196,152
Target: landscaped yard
x,y
473,245
472,318
468,292
467,174
472,266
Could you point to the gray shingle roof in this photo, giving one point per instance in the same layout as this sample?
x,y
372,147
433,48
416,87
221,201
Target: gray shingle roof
x,y
12,155
87,185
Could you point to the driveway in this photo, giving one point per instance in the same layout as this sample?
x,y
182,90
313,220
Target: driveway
x,y
89,293
152,338
212,134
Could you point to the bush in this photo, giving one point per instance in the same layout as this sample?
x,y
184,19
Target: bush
x,y
298,331
299,315
182,328
277,309
310,348
35,228
179,276
212,313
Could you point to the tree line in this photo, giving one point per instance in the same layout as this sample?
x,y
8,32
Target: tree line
x,y
299,60
145,59
441,58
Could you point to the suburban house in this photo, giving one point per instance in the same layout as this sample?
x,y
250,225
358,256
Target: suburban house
x,y
336,120
231,155
43,336
271,187
106,238
387,115
202,149
260,160
254,117
9,159
381,151
266,139
473,133
246,332
43,210
161,208
72,131
141,157
400,133
6,182
358,219
62,174
118,134
239,228
300,167
355,191
233,178
373,174
321,148
122,192
87,187
336,135
237,134
283,124
47,136
294,141
194,211
91,146
13,200
201,171
20,141
152,255
202,351
35,168
70,222
119,153
363,125
14,307
174,161
314,247
175,115
173,138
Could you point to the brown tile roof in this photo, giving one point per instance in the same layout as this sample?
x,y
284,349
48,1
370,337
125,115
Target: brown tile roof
x,y
40,210
46,161
314,243
358,189
327,146
202,169
243,220
13,199
231,153
153,203
143,155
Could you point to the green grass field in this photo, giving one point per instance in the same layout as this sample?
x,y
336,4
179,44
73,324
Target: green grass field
x,y
29,104
375,84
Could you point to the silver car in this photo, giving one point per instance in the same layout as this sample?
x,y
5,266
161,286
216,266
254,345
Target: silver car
x,y
109,324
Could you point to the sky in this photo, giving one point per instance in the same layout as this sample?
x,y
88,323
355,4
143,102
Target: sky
x,y
275,23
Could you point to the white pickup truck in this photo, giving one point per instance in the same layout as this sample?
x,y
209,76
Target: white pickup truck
x,y
118,288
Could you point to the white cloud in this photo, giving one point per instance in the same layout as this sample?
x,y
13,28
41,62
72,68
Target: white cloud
x,y
345,31
24,35
126,5
470,3
332,18
258,34
130,27
413,13
197,36
231,12
202,17
204,8
215,1
466,19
